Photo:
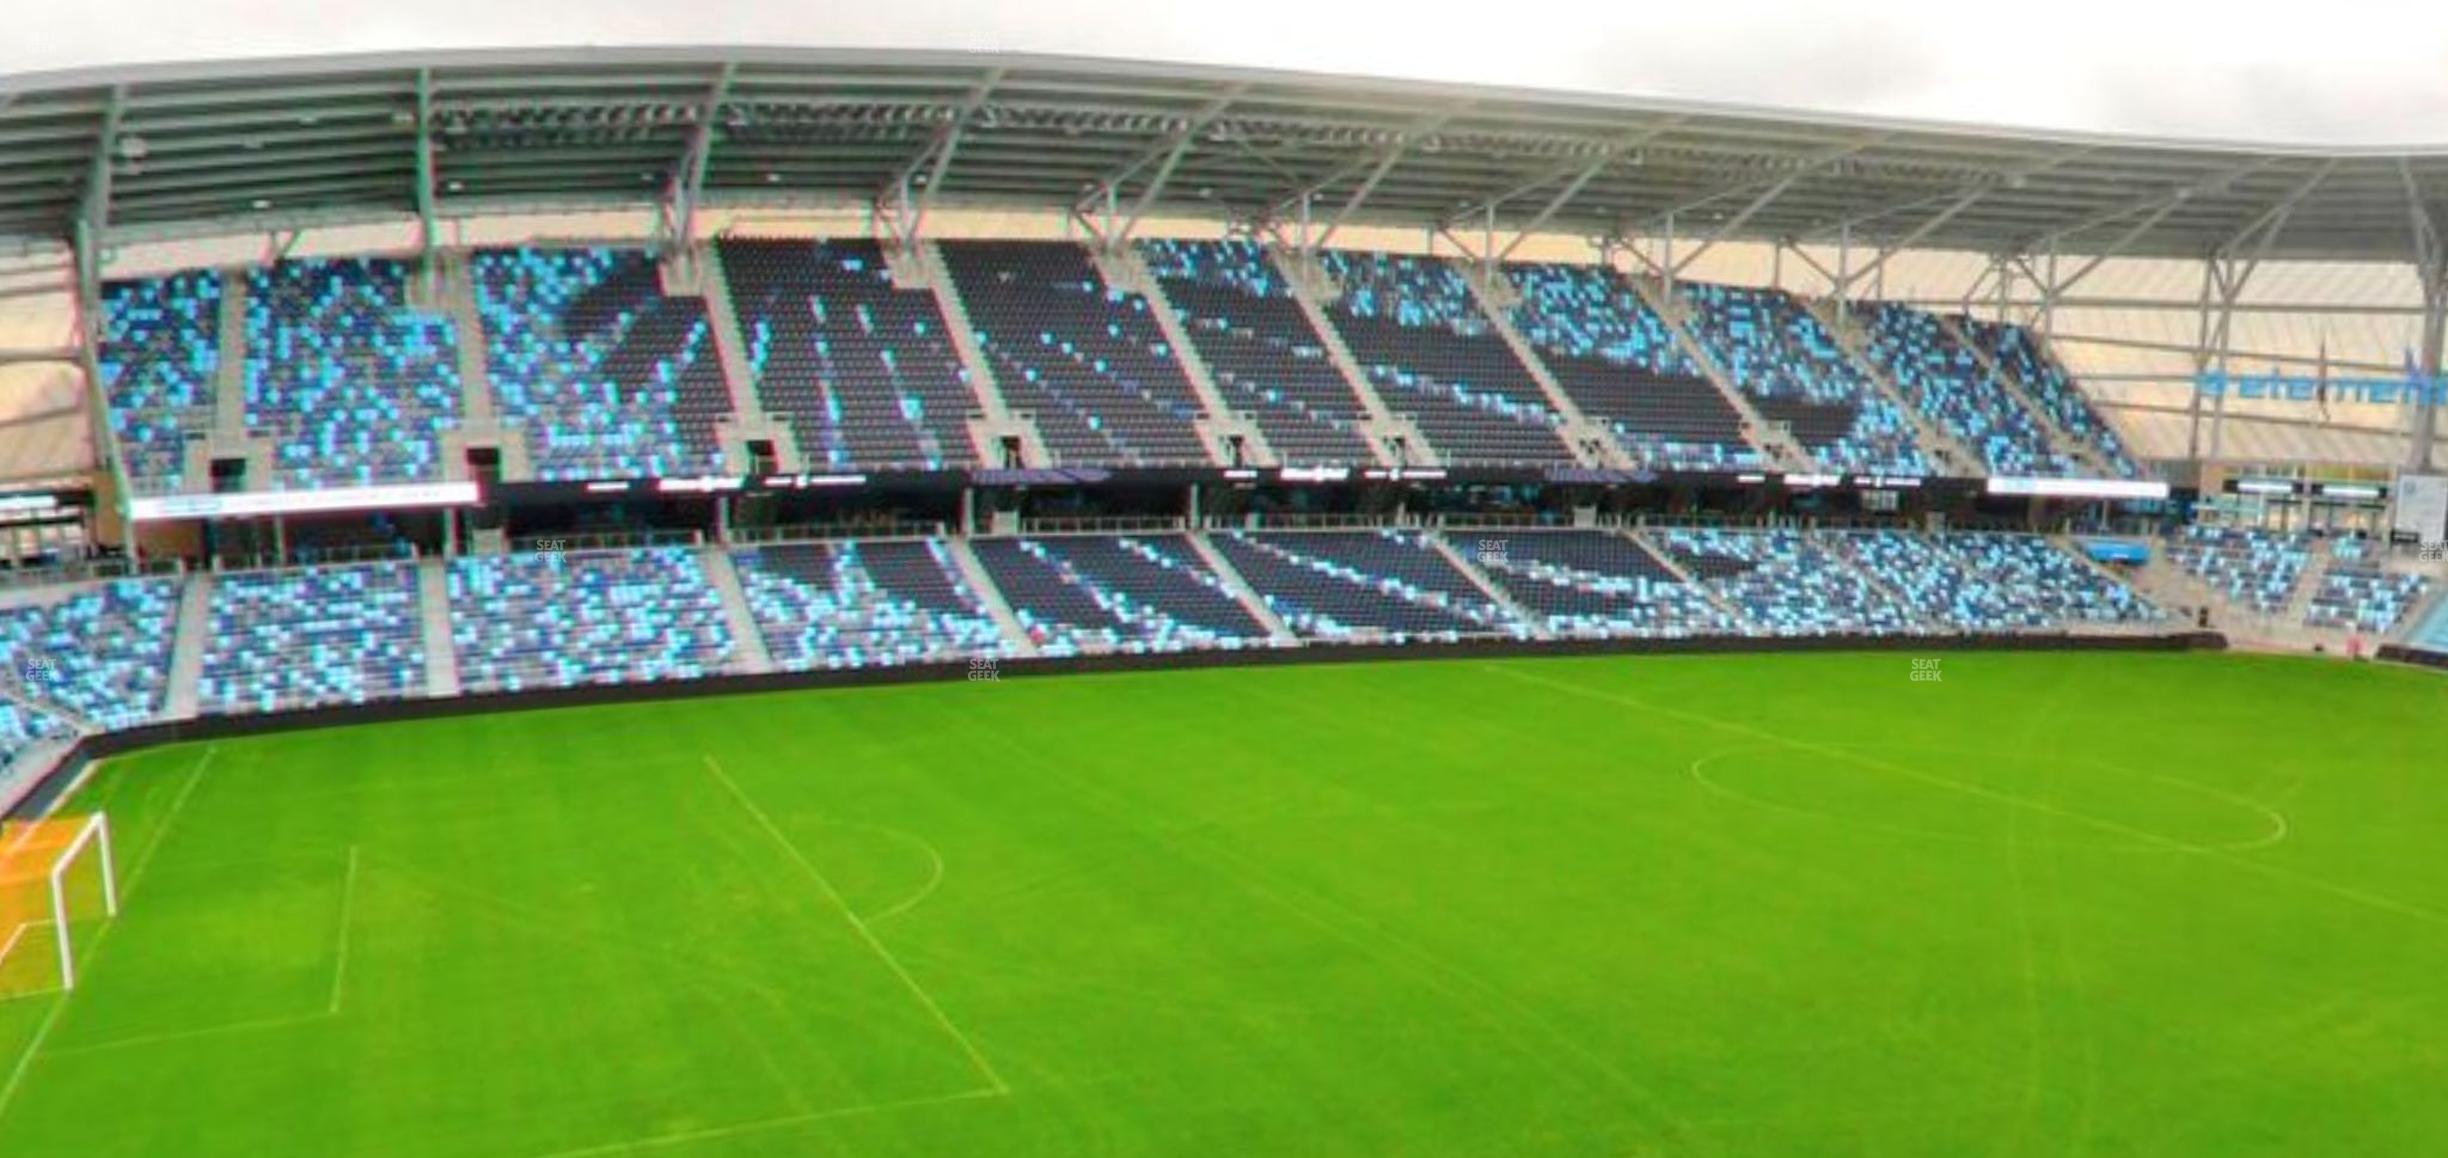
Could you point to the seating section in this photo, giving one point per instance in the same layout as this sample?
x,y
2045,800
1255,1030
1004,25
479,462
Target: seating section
x,y
1594,583
1949,386
99,651
1086,359
313,637
1787,583
607,376
159,355
1621,366
1352,585
22,727
2358,593
2253,569
873,604
1979,582
2020,355
563,620
1259,347
865,373
1415,329
1088,594
2038,573
1790,366
352,386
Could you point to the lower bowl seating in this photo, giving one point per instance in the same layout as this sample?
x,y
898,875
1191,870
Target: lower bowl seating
x,y
313,637
864,604
100,652
1364,585
562,620
1088,594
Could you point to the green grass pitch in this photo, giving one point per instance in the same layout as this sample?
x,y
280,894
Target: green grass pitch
x,y
2046,904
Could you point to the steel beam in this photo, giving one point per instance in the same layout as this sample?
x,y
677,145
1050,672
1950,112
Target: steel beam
x,y
688,177
428,214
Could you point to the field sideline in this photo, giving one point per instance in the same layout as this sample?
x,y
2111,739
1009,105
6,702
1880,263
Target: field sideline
x,y
1778,904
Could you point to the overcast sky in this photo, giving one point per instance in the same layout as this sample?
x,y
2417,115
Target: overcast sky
x,y
2326,71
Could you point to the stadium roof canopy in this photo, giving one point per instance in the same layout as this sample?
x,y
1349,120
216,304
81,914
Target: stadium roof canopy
x,y
178,150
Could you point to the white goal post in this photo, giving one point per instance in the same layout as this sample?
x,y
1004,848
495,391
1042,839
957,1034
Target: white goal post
x,y
55,877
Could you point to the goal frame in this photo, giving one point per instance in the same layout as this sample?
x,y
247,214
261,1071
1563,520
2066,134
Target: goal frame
x,y
93,835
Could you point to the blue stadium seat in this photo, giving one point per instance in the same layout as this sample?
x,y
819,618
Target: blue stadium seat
x,y
1416,331
543,620
352,386
313,637
607,376
1620,364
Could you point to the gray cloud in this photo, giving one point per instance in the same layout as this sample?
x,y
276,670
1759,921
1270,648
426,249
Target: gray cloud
x,y
2365,71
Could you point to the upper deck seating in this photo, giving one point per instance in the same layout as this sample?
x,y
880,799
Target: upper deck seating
x,y
1088,593
1620,364
1953,390
864,604
312,637
160,356
1345,585
353,387
608,376
1790,366
1084,359
1414,328
865,372
2021,355
1594,583
541,620
1261,350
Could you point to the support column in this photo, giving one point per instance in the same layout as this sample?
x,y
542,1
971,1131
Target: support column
x,y
2422,439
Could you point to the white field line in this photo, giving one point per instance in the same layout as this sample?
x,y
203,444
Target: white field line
x,y
2222,855
348,902
857,925
190,1034
660,1141
144,860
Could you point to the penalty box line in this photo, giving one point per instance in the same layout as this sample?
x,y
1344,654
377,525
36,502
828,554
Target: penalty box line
x,y
93,952
994,1080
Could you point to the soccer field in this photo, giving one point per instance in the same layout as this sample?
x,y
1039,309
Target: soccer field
x,y
1800,904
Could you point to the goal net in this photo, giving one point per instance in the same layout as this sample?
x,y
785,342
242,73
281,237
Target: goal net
x,y
57,889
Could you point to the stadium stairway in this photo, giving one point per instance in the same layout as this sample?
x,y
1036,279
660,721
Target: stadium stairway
x,y
2428,621
1842,326
433,606
2082,449
187,647
1312,288
754,658
1124,269
995,421
748,418
1788,455
998,608
229,389
2307,584
1494,591
1590,443
1277,633
1666,559
1846,555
